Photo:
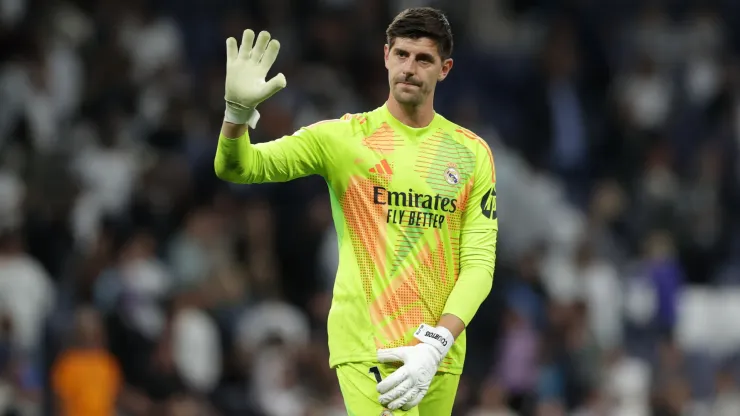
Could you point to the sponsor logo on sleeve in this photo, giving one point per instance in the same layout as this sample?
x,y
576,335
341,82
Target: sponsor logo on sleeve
x,y
488,204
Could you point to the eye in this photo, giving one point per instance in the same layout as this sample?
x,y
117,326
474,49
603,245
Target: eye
x,y
425,59
425,63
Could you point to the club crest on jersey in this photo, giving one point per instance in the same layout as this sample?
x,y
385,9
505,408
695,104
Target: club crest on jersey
x,y
386,412
452,176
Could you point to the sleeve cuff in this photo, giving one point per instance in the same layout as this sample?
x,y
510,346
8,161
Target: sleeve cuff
x,y
249,116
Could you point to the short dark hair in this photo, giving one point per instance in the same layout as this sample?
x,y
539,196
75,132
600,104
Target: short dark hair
x,y
422,22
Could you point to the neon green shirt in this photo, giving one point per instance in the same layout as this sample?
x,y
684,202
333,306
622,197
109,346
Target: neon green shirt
x,y
415,214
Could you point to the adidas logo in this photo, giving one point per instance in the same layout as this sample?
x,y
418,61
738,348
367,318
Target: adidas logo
x,y
382,167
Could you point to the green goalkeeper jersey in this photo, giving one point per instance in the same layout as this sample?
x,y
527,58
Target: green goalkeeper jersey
x,y
415,214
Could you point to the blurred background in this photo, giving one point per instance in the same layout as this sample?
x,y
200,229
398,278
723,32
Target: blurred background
x,y
134,282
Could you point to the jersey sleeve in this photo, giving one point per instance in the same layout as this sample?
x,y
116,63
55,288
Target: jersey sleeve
x,y
294,156
478,234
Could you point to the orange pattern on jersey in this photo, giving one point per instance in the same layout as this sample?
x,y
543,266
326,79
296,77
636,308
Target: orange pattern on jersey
x,y
454,225
462,200
416,296
396,304
434,285
357,117
377,312
408,312
383,140
365,223
470,135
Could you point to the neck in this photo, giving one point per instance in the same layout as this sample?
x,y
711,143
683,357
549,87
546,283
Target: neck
x,y
412,116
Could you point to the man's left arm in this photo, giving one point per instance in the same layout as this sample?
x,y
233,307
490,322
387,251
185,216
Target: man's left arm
x,y
478,234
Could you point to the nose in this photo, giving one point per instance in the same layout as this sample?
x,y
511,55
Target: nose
x,y
409,67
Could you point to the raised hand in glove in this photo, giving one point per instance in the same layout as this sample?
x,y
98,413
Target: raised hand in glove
x,y
246,70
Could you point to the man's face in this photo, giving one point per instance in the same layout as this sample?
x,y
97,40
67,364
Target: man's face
x,y
414,68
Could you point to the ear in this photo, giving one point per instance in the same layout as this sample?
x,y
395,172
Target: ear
x,y
386,54
445,70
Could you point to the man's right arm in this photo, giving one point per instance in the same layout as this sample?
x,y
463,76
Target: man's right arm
x,y
238,160
289,157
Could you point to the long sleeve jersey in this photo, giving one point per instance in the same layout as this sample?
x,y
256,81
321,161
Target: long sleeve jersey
x,y
415,215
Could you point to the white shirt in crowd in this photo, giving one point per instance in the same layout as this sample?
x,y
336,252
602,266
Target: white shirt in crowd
x,y
27,296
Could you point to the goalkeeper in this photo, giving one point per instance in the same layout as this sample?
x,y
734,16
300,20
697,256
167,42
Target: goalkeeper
x,y
413,197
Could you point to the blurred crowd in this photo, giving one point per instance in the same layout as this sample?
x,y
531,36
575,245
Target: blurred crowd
x,y
134,282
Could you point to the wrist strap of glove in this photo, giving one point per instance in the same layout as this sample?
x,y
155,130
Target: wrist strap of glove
x,y
237,114
440,337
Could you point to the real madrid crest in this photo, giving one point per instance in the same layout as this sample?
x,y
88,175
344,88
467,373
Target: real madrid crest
x,y
452,176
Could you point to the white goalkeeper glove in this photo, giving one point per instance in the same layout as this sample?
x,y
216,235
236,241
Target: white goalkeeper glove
x,y
246,69
409,384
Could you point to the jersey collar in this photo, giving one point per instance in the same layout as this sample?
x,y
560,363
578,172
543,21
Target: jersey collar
x,y
408,131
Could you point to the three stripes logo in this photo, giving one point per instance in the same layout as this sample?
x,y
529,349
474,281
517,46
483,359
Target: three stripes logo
x,y
383,167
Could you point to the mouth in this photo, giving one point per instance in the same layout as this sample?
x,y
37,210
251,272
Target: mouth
x,y
409,84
